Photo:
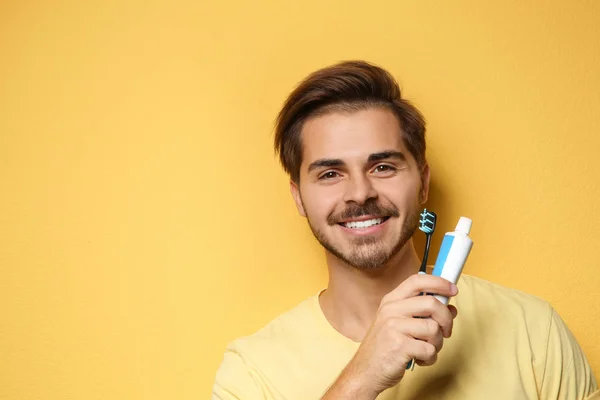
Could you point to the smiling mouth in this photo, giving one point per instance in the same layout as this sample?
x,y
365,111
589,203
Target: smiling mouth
x,y
364,224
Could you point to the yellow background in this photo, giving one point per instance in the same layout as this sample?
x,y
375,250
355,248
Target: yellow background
x,y
144,221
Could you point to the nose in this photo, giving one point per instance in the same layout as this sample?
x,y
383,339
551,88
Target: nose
x,y
359,189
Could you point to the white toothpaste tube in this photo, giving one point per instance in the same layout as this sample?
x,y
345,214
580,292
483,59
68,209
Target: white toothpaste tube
x,y
453,254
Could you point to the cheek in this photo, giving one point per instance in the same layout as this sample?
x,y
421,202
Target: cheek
x,y
319,202
402,195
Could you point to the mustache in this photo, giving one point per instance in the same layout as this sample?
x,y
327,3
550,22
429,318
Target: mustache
x,y
356,211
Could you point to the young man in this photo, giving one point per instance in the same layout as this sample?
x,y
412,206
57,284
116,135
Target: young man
x,y
355,152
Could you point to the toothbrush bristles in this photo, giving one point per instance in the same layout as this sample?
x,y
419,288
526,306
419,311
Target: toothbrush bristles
x,y
427,222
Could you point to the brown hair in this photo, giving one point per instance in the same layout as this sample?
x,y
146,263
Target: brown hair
x,y
347,86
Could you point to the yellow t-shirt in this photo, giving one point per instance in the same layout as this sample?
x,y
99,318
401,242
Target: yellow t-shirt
x,y
505,345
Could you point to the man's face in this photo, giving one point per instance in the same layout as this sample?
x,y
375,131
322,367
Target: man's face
x,y
360,188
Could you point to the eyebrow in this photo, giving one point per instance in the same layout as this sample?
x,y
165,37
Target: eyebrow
x,y
336,162
385,155
325,162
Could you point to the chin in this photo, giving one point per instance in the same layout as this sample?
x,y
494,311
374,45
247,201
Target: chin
x,y
366,258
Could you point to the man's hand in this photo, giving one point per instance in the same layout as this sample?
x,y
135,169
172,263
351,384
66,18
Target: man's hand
x,y
396,337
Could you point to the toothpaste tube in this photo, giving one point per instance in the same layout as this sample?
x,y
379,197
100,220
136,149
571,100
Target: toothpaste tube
x,y
453,254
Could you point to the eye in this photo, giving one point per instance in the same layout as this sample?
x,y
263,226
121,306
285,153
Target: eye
x,y
329,175
384,168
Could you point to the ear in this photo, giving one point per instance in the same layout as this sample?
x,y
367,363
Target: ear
x,y
425,177
297,199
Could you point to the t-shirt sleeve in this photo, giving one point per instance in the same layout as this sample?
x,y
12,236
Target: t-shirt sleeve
x,y
566,372
235,380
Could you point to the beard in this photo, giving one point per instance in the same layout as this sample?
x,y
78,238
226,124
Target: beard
x,y
368,252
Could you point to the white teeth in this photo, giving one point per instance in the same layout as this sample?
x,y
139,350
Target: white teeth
x,y
363,224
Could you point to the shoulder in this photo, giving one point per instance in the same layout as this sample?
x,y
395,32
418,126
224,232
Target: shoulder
x,y
533,328
295,325
492,295
251,362
496,310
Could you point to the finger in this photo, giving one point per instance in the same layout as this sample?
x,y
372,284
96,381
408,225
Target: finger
x,y
436,338
426,363
421,306
422,283
453,311
422,329
422,352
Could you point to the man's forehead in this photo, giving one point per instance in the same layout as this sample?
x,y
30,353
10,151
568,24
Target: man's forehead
x,y
357,135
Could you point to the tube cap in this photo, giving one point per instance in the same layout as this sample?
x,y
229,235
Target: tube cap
x,y
464,225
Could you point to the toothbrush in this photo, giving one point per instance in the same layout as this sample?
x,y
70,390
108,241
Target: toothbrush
x,y
426,225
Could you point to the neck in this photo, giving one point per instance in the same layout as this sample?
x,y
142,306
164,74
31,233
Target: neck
x,y
352,297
